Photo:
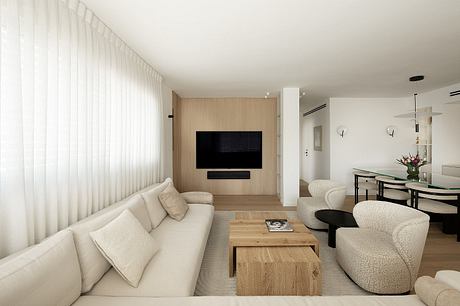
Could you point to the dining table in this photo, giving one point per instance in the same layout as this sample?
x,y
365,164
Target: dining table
x,y
430,179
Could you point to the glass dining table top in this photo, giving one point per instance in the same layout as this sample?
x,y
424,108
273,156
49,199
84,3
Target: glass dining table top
x,y
435,180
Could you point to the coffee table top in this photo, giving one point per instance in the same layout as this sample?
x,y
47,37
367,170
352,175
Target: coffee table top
x,y
246,231
337,218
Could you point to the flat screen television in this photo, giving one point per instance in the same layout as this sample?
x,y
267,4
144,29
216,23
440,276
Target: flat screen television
x,y
229,150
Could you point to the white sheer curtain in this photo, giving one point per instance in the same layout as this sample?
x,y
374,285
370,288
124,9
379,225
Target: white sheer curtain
x,y
80,119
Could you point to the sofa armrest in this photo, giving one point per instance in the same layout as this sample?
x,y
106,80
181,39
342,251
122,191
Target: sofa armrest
x,y
198,197
449,277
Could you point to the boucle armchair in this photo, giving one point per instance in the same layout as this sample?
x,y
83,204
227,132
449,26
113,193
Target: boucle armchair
x,y
325,194
383,255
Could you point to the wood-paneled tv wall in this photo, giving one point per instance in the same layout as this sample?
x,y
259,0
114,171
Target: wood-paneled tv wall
x,y
224,114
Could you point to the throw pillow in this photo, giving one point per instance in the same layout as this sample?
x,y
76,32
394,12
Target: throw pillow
x,y
126,245
156,211
173,203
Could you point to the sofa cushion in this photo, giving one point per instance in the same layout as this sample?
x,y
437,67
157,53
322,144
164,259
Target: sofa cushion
x,y
137,206
156,211
407,300
126,245
173,203
450,277
45,274
173,271
434,292
92,264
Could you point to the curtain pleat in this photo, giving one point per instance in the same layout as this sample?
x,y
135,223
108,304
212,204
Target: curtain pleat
x,y
80,119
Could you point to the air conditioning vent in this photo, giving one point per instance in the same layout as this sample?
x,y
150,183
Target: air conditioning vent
x,y
314,110
454,93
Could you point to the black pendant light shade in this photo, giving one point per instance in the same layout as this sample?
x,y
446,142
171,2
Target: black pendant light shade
x,y
416,78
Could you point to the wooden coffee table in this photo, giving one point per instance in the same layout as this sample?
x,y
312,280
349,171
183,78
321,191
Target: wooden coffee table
x,y
291,259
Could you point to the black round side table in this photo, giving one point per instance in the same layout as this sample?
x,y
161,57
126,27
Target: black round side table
x,y
335,219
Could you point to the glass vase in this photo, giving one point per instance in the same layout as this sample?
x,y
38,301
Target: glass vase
x,y
413,173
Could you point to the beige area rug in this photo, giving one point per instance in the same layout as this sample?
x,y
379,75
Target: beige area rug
x,y
214,280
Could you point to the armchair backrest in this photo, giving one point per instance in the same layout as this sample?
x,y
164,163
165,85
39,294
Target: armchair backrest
x,y
318,188
408,228
335,197
333,193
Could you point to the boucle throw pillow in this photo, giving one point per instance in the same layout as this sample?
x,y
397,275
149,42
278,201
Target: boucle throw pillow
x,y
126,245
173,203
433,292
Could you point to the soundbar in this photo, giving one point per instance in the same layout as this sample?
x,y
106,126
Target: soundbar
x,y
229,175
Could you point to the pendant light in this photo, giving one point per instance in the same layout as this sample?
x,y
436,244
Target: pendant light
x,y
416,78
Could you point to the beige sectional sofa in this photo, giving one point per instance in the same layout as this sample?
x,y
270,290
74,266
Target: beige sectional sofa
x,y
68,264
65,269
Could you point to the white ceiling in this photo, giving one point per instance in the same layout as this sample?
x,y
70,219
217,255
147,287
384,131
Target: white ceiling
x,y
340,48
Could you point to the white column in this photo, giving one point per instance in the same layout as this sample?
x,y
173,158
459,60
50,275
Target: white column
x,y
289,147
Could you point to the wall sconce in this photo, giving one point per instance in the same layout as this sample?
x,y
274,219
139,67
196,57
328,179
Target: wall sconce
x,y
391,130
342,130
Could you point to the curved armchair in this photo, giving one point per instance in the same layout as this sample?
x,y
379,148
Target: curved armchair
x,y
383,255
326,194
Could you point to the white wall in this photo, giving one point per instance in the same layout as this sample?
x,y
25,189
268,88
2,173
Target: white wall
x,y
366,142
167,132
289,165
446,127
317,164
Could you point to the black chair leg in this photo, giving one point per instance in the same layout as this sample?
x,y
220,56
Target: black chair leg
x,y
356,189
458,218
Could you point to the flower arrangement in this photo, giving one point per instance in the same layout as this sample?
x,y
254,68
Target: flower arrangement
x,y
413,163
412,160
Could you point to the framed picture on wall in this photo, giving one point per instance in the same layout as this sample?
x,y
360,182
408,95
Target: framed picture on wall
x,y
318,138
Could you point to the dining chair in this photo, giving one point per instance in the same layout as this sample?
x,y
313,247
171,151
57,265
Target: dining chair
x,y
436,201
392,190
364,180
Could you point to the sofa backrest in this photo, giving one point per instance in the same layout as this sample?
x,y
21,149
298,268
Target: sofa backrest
x,y
45,274
93,265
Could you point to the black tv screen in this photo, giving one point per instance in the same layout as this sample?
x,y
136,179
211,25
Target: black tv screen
x,y
228,150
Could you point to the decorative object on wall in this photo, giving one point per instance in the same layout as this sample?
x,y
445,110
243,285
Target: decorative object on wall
x,y
413,164
342,130
318,138
391,130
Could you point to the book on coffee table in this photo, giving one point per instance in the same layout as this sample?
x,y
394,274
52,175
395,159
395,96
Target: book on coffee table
x,y
278,225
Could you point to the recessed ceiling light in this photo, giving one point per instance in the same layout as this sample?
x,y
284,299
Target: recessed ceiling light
x,y
267,94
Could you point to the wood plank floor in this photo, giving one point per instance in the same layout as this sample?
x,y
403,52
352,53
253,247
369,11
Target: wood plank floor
x,y
441,251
